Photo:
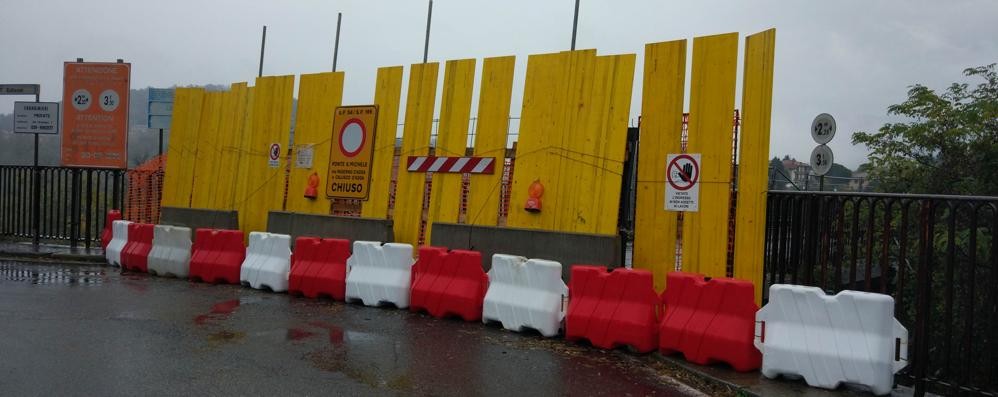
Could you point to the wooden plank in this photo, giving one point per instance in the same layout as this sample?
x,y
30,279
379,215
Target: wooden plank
x,y
452,139
179,173
271,123
245,160
572,190
661,126
753,168
207,152
712,107
609,148
387,95
318,95
491,130
233,113
419,105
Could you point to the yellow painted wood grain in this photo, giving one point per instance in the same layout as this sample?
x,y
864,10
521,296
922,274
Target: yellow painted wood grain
x,y
319,95
271,123
662,93
420,102
207,152
245,160
387,96
712,107
452,140
230,135
575,175
179,172
491,130
753,169
615,74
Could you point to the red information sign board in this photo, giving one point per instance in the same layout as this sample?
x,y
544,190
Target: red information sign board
x,y
95,114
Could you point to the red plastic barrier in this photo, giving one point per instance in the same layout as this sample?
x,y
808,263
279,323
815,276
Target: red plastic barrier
x,y
106,233
135,253
612,309
217,256
319,267
448,283
710,320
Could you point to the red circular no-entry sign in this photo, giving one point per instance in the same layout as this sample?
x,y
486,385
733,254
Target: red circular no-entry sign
x,y
676,179
353,136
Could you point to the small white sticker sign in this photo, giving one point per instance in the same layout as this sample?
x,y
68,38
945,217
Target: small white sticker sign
x,y
274,155
304,155
682,182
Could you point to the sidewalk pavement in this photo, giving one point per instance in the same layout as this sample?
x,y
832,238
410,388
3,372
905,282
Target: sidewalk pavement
x,y
48,252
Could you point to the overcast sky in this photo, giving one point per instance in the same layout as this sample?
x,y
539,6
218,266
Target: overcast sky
x,y
848,58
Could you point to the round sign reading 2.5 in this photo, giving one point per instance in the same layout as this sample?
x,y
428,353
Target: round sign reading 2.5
x,y
81,99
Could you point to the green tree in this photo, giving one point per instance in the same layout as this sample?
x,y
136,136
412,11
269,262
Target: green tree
x,y
947,145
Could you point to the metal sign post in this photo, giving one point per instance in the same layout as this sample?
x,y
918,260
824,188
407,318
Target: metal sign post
x,y
36,207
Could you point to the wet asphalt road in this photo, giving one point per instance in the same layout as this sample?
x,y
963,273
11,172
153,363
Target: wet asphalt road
x,y
91,330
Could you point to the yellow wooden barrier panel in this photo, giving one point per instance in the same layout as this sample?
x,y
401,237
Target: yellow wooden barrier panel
x,y
452,140
207,152
490,138
245,160
230,134
753,169
319,95
387,95
419,105
537,158
574,177
271,123
179,171
616,79
661,129
712,107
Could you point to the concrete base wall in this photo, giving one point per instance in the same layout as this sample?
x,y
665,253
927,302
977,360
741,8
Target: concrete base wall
x,y
328,226
567,248
197,218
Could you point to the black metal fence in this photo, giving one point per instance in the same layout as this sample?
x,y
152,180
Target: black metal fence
x,y
71,202
934,254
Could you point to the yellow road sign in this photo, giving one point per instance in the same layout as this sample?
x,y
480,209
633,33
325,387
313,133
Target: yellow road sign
x,y
351,152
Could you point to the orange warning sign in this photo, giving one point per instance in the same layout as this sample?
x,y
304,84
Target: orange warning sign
x,y
95,114
351,152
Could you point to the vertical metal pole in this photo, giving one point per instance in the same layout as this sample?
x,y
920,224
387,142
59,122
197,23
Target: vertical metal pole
x,y
821,184
160,141
575,24
336,44
263,44
36,210
426,43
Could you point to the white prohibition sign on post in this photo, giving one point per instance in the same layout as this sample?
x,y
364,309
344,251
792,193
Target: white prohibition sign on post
x,y
823,128
682,182
821,159
274,155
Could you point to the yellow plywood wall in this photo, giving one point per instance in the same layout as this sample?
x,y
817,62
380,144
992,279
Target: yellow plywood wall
x,y
244,159
757,106
179,171
572,140
319,95
387,95
452,139
661,128
270,122
490,138
229,138
712,108
422,92
207,153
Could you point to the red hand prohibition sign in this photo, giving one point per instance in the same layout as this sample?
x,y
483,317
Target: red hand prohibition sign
x,y
691,178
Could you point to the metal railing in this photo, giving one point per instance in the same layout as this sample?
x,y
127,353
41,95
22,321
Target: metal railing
x,y
934,254
71,202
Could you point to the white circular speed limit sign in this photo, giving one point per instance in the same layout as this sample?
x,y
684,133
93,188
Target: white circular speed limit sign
x,y
823,128
81,99
821,159
108,100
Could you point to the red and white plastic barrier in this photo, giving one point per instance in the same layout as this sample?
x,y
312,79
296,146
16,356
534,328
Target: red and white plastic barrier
x,y
525,294
268,261
119,237
135,254
378,274
171,251
611,309
319,267
851,337
448,283
217,256
710,320
107,233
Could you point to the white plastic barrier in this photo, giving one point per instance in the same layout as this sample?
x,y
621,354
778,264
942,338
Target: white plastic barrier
x,y
851,337
525,293
379,274
119,236
268,261
171,251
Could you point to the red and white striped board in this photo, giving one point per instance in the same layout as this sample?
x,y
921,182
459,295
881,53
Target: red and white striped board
x,y
458,165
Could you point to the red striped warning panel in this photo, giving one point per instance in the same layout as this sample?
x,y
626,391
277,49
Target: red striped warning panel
x,y
458,165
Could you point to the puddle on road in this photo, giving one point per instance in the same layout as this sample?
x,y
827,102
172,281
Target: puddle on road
x,y
225,336
51,275
219,311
